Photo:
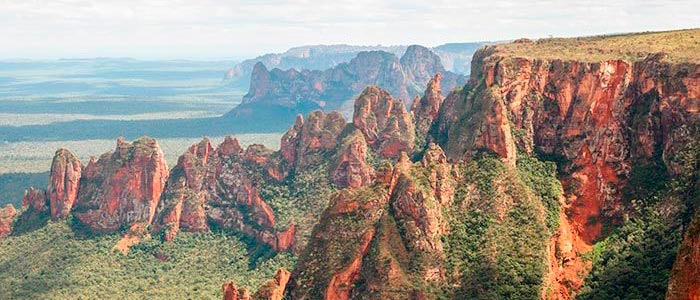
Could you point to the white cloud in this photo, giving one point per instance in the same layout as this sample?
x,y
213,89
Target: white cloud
x,y
213,28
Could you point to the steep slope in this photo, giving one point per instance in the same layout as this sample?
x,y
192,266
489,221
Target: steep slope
x,y
598,119
123,187
65,174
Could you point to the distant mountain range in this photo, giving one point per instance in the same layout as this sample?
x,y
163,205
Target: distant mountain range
x,y
456,57
277,94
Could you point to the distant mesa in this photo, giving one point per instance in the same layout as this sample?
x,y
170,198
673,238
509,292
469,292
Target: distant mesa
x,y
276,94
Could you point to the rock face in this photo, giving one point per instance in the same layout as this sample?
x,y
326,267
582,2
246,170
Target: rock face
x,y
346,229
382,247
384,121
231,292
273,289
351,169
35,199
308,141
598,117
7,217
276,94
230,187
64,182
123,187
182,204
685,277
425,109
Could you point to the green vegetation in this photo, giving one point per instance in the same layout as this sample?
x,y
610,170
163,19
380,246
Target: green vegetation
x,y
34,158
498,239
635,261
301,198
342,236
680,46
56,262
541,178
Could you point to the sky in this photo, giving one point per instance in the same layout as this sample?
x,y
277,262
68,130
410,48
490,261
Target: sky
x,y
214,29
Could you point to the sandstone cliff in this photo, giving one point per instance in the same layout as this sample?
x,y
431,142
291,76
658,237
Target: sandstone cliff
x,y
64,178
597,118
122,187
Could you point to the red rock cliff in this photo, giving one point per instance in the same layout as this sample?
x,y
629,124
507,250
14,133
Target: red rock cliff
x,y
581,112
182,204
123,187
384,121
64,182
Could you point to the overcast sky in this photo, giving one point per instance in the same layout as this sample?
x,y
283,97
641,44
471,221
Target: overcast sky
x,y
211,29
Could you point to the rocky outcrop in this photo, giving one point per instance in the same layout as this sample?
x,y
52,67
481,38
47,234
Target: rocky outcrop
x,y
424,110
307,142
274,94
380,244
182,204
7,218
598,118
418,198
685,276
384,121
421,64
267,162
274,288
351,169
346,230
122,187
231,292
64,181
233,197
35,199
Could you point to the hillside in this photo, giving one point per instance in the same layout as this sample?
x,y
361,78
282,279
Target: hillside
x,y
542,178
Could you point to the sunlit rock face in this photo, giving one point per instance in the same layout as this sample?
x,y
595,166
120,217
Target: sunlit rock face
x,y
64,182
122,187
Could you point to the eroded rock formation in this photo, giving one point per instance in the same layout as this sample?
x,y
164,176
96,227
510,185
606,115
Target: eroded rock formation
x,y
351,169
7,217
384,121
182,204
64,182
424,110
276,93
599,118
35,199
122,187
